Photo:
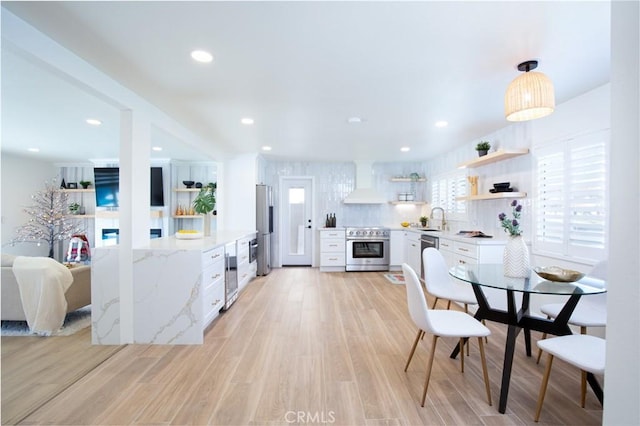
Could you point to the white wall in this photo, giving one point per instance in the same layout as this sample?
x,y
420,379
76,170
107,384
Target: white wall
x,y
237,179
22,177
622,387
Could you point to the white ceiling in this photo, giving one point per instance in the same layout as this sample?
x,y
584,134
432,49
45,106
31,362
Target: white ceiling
x,y
301,69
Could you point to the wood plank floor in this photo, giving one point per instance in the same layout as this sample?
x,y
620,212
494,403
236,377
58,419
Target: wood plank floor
x,y
304,347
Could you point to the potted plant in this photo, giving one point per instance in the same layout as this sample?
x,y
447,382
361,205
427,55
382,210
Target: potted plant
x,y
483,148
74,207
205,203
85,183
423,221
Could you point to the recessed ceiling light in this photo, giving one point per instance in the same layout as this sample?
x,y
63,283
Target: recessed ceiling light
x,y
33,149
202,56
354,120
266,148
157,148
247,121
94,121
405,149
441,123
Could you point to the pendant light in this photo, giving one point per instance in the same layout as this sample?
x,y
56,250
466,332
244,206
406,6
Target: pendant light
x,y
530,95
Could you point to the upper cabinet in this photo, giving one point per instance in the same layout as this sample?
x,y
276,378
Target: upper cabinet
x,y
499,155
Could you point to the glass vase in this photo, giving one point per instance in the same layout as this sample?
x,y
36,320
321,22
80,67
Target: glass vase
x,y
516,258
207,225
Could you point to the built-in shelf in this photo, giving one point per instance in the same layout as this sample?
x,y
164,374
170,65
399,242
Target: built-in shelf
x,y
187,216
415,203
499,155
115,214
79,190
186,189
408,180
495,196
80,216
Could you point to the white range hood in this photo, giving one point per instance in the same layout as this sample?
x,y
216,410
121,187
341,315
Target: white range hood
x,y
364,192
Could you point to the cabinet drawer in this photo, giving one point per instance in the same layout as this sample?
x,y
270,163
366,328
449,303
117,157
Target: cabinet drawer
x,y
332,234
466,249
446,245
212,302
212,275
332,259
332,245
209,257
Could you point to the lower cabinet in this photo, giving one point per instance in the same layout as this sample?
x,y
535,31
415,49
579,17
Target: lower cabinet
x,y
212,283
332,250
397,253
246,269
413,251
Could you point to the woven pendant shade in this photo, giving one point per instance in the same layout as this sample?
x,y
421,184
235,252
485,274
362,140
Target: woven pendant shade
x,y
528,97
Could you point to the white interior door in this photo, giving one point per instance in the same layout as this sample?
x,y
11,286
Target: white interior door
x,y
296,225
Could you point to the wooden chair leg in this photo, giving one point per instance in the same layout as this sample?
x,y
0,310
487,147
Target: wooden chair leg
x,y
543,387
461,344
413,348
583,388
486,338
448,305
429,365
435,302
484,370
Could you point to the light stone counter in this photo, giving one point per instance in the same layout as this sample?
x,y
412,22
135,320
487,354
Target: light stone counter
x,y
167,290
500,239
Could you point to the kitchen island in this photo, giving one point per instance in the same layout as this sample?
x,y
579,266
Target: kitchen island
x,y
178,289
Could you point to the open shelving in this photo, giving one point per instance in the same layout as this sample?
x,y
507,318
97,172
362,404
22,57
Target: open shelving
x,y
497,195
499,155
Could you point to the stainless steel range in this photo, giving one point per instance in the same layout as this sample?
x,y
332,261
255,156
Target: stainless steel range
x,y
367,248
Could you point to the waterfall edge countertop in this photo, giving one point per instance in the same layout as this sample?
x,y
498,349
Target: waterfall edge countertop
x,y
215,240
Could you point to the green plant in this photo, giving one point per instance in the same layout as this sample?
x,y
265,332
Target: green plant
x,y
74,207
85,183
483,146
205,201
423,220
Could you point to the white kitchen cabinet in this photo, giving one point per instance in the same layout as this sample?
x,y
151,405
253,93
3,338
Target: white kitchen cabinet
x,y
413,251
246,269
212,283
332,250
397,253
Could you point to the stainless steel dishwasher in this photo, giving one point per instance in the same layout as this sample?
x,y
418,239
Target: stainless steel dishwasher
x,y
427,240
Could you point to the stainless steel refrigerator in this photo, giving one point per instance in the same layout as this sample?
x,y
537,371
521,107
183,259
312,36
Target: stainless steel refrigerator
x,y
264,225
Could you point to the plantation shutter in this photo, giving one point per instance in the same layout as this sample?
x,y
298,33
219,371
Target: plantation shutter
x,y
571,202
444,191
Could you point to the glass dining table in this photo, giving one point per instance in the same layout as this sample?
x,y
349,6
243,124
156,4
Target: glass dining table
x,y
518,319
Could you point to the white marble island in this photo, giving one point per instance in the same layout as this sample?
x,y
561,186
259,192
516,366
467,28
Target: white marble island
x,y
172,282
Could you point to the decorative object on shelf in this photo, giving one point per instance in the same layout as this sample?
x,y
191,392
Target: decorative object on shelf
x,y
85,184
473,181
199,185
424,220
414,176
530,95
205,203
516,253
502,187
188,183
483,148
63,185
72,185
49,222
557,274
74,207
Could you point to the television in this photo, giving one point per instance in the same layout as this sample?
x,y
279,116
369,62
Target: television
x,y
107,185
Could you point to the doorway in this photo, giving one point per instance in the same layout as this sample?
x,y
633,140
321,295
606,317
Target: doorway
x,y
296,205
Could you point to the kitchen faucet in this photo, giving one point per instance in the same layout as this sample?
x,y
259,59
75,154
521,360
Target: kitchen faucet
x,y
444,222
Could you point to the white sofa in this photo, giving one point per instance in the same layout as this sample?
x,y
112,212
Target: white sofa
x,y
78,294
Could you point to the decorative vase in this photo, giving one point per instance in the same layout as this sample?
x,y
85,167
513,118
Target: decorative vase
x,y
482,152
207,224
516,258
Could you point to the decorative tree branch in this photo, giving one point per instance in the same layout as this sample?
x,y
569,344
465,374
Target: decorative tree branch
x,y
49,222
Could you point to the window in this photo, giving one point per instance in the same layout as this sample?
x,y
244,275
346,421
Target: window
x,y
444,191
571,198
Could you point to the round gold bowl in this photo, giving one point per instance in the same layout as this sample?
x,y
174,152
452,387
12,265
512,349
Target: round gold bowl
x,y
555,273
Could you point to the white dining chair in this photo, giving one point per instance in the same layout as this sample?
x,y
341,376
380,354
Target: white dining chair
x,y
440,285
441,323
591,311
580,350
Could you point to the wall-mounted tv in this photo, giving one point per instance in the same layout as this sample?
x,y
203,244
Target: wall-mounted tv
x,y
107,184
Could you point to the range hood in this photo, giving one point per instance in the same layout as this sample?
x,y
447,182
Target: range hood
x,y
364,192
